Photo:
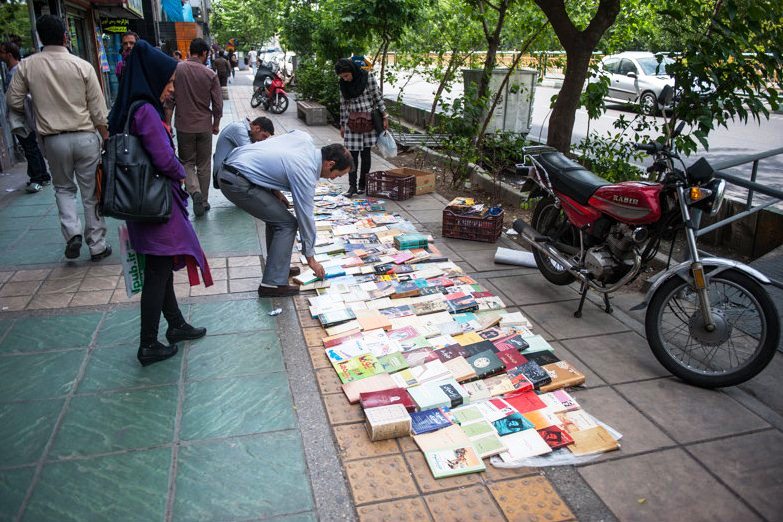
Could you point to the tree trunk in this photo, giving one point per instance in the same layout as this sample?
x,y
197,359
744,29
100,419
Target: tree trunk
x,y
561,124
442,85
386,43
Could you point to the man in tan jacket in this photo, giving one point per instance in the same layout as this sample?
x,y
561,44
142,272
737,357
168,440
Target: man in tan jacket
x,y
69,108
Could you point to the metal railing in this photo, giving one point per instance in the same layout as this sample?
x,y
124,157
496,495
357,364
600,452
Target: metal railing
x,y
751,185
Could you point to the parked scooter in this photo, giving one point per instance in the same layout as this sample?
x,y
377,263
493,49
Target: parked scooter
x,y
709,321
269,89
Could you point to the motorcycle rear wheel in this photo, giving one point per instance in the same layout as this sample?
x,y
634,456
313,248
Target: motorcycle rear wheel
x,y
257,98
548,220
279,103
743,343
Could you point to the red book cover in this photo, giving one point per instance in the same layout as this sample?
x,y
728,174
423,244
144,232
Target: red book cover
x,y
520,382
512,342
511,358
478,295
451,352
340,339
555,437
455,295
526,402
386,398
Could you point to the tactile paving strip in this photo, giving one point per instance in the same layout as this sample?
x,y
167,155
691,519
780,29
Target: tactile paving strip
x,y
429,484
319,358
378,479
531,499
407,444
494,474
314,336
342,412
355,444
328,382
473,503
306,320
394,511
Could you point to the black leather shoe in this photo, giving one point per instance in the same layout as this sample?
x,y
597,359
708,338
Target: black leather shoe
x,y
278,291
198,204
101,255
73,247
361,189
184,333
155,352
351,192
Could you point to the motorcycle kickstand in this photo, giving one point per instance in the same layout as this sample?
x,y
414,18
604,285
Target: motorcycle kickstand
x,y
583,290
607,305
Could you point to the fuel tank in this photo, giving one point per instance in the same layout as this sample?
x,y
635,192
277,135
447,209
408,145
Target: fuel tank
x,y
635,202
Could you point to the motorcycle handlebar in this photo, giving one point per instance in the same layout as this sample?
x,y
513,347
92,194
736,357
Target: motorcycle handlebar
x,y
650,148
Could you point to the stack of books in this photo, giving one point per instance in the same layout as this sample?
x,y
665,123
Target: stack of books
x,y
429,352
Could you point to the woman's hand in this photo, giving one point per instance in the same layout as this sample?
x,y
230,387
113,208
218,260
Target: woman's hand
x,y
385,121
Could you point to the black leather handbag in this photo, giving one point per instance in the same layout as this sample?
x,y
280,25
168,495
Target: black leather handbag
x,y
131,189
377,120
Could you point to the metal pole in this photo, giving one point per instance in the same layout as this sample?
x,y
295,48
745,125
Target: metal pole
x,y
753,180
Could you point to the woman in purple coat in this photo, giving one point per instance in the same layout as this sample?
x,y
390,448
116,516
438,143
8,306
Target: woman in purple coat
x,y
149,76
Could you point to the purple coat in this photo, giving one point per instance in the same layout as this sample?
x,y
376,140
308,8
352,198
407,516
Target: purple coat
x,y
176,237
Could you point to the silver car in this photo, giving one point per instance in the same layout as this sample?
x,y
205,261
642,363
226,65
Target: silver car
x,y
637,77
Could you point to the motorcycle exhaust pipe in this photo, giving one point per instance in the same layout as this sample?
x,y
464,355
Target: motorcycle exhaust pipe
x,y
541,243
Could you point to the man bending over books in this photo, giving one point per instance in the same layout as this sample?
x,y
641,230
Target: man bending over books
x,y
253,178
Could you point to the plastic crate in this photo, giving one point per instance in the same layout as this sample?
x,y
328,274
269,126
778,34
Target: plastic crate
x,y
397,187
473,228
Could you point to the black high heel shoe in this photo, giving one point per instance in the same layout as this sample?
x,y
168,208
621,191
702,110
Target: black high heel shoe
x,y
155,352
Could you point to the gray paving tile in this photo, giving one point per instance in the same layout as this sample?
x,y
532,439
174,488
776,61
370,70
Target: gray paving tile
x,y
639,434
618,358
665,485
532,288
592,380
750,465
423,202
558,318
484,260
688,413
423,215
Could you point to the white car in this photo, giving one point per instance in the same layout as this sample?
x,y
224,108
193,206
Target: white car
x,y
637,77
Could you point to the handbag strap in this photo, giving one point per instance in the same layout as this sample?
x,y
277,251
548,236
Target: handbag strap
x,y
135,105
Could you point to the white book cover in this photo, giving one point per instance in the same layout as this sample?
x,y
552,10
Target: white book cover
x,y
524,444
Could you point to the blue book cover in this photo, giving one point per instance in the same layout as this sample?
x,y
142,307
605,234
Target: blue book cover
x,y
428,421
512,424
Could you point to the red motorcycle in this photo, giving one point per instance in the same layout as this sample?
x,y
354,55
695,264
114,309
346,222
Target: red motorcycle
x,y
270,90
709,321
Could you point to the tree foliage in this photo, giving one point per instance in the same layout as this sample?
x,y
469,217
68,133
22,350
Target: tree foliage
x,y
252,22
15,22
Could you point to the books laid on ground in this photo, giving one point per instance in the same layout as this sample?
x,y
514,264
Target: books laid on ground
x,y
428,351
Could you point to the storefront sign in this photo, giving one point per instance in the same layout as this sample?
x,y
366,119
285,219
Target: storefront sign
x,y
114,25
136,7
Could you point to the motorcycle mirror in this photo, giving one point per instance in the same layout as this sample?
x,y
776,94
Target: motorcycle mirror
x,y
678,129
667,93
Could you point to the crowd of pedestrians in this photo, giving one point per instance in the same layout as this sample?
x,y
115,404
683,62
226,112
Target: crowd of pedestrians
x,y
67,115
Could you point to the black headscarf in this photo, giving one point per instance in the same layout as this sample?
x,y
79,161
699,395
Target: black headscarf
x,y
355,87
147,71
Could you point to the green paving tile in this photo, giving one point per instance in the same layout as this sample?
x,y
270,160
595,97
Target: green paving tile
x,y
237,406
119,327
24,254
45,333
258,476
16,224
235,354
25,428
117,367
43,235
127,487
233,316
50,221
13,487
38,376
15,211
116,421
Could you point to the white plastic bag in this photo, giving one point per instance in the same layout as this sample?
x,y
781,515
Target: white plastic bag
x,y
386,145
132,264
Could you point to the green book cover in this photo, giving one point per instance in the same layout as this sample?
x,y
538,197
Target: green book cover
x,y
476,429
393,362
448,462
357,368
467,414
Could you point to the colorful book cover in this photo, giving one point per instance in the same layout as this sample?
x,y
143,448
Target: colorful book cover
x,y
428,421
393,362
512,424
429,307
357,368
520,383
512,358
559,401
448,462
535,374
525,402
486,364
375,399
450,352
397,311
511,342
555,437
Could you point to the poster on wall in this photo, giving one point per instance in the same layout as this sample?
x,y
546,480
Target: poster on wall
x,y
101,51
177,10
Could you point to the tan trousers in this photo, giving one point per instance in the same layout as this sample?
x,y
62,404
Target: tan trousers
x,y
195,151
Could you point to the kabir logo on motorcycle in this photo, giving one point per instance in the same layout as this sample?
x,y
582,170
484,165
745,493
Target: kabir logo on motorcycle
x,y
625,199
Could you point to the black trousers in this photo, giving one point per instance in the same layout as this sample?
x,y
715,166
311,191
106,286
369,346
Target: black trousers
x,y
157,295
365,155
36,166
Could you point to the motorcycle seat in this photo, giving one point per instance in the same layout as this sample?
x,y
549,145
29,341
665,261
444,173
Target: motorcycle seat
x,y
569,177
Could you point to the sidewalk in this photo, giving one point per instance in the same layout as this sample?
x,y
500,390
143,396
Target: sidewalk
x,y
246,424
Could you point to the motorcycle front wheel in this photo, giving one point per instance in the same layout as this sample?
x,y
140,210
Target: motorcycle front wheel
x,y
257,98
279,103
745,338
549,220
